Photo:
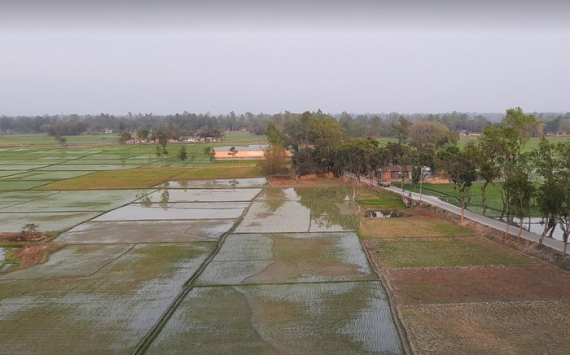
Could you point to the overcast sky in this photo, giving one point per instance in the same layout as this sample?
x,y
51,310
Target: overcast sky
x,y
169,56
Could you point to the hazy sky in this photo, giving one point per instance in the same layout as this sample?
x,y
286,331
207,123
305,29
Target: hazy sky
x,y
168,56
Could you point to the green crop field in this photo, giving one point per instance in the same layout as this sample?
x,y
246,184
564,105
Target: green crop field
x,y
449,253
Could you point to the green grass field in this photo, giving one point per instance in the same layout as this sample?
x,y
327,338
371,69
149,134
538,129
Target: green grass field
x,y
446,253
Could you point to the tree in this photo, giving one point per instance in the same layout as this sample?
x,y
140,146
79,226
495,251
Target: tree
x,y
124,136
461,169
304,163
275,161
424,132
402,129
563,150
142,135
519,191
162,137
61,140
490,148
509,140
182,155
29,231
550,194
276,137
232,151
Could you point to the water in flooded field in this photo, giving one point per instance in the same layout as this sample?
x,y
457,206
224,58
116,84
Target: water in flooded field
x,y
292,276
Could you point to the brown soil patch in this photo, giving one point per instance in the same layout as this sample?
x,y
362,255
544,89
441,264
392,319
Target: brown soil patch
x,y
480,284
36,254
19,238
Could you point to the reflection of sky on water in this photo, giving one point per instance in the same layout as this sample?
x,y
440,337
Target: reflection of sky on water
x,y
160,211
214,184
203,195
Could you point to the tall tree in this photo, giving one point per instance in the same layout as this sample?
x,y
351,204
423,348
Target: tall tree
x,y
402,129
550,193
563,150
461,169
490,148
519,191
275,161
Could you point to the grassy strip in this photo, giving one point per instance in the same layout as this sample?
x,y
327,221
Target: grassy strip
x,y
445,253
116,179
407,227
378,198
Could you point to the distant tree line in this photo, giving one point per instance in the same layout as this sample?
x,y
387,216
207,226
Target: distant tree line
x,y
363,125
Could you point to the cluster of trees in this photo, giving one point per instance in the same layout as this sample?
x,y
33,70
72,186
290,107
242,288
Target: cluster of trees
x,y
528,181
321,145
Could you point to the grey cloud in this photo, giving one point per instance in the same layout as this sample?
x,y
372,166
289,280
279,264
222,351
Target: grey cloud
x,y
255,15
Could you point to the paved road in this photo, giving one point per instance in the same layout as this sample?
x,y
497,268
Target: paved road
x,y
489,222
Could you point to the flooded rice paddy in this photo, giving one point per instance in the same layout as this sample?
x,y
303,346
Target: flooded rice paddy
x,y
321,318
235,269
288,258
178,231
215,184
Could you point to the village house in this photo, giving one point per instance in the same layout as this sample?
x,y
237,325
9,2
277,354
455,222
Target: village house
x,y
394,173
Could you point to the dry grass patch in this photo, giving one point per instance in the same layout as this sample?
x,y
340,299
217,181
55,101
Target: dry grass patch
x,y
515,328
447,252
411,227
116,179
480,284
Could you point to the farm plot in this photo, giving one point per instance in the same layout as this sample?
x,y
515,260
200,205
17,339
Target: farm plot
x,y
8,199
48,221
171,211
214,184
410,227
276,217
47,175
5,173
74,201
85,167
107,312
71,261
22,165
323,318
146,232
17,185
204,195
489,328
122,179
441,253
288,258
480,284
